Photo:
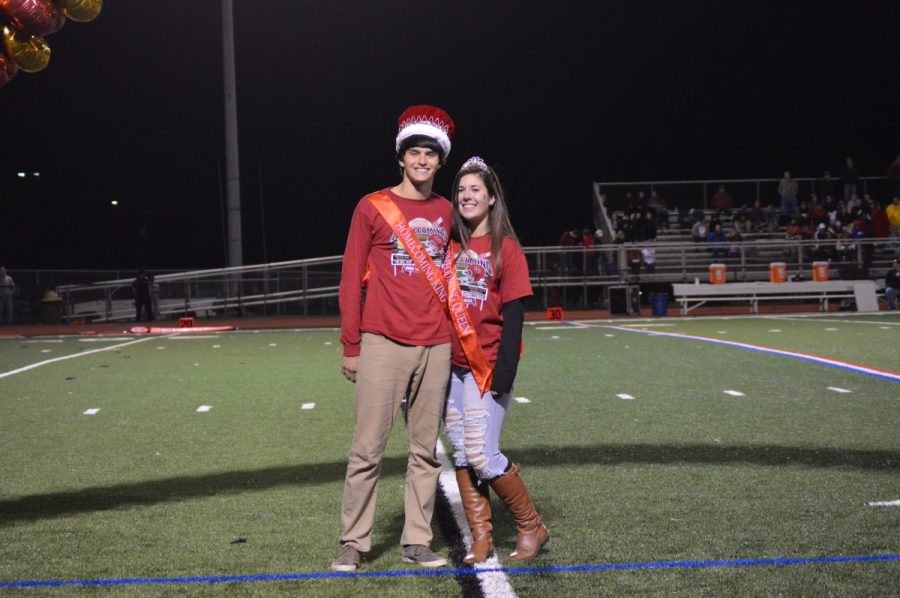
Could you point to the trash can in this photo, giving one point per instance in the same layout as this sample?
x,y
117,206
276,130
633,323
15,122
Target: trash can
x,y
51,308
659,305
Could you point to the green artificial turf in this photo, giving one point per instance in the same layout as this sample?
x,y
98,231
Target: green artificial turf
x,y
148,487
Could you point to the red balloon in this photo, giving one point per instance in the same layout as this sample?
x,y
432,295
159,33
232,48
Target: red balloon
x,y
8,69
34,17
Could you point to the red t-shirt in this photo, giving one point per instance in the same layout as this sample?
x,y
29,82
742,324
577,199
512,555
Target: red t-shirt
x,y
485,293
397,303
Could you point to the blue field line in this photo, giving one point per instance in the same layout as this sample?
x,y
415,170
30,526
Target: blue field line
x,y
836,363
770,562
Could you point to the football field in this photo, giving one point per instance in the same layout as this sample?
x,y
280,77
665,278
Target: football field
x,y
670,456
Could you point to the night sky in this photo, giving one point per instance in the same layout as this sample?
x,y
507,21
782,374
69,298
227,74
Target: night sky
x,y
555,95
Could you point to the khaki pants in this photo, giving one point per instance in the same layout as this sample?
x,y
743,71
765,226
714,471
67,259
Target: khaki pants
x,y
388,373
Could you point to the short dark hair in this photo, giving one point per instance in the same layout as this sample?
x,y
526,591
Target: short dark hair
x,y
421,141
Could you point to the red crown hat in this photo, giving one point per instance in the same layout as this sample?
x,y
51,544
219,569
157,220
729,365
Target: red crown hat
x,y
426,120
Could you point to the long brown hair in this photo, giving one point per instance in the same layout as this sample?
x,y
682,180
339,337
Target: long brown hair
x,y
499,225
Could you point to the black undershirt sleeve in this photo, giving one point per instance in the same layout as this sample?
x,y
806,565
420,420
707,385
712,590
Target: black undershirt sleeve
x,y
510,343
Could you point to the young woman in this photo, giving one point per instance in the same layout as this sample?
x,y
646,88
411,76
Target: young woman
x,y
493,280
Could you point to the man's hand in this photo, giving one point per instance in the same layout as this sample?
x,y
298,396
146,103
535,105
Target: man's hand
x,y
349,365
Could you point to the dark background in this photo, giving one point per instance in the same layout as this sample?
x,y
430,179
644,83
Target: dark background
x,y
556,95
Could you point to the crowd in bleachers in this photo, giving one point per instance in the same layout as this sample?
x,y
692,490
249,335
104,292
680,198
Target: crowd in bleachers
x,y
833,213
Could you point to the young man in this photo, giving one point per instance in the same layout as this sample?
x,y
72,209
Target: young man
x,y
396,337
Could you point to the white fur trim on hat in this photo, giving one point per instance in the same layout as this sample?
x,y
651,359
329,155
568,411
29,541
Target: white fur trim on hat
x,y
428,130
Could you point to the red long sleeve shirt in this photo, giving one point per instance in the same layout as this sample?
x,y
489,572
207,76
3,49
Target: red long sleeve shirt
x,y
397,303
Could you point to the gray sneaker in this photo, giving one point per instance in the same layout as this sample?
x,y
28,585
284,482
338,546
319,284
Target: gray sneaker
x,y
421,554
348,559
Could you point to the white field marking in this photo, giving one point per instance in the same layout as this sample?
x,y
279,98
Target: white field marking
x,y
830,329
884,327
721,332
625,397
103,339
659,325
521,400
49,340
160,348
554,337
327,342
819,317
836,389
203,408
72,356
91,412
217,346
308,406
494,584
182,337
609,335
885,503
46,350
734,393
775,330
273,344
549,327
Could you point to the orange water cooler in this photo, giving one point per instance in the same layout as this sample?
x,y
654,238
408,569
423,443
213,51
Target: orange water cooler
x,y
777,272
717,273
820,271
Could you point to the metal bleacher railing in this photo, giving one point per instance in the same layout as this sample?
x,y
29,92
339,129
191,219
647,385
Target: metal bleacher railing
x,y
574,277
565,277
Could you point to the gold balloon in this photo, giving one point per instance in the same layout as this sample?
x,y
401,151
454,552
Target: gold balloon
x,y
81,10
30,53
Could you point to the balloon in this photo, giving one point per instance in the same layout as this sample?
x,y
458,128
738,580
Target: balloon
x,y
81,11
30,53
34,17
8,70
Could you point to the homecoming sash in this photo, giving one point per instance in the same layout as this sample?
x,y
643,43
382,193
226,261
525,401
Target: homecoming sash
x,y
450,299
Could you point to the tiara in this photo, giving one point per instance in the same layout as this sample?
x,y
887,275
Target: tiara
x,y
475,162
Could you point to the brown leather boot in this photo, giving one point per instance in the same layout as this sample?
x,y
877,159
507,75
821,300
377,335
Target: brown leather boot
x,y
532,534
477,504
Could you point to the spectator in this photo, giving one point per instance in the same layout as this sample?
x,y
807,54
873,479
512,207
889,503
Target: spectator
x,y
143,304
757,216
568,240
635,259
588,242
850,177
826,186
893,173
717,239
699,231
788,189
722,200
658,202
648,257
7,292
881,228
648,227
824,235
892,285
893,216
817,213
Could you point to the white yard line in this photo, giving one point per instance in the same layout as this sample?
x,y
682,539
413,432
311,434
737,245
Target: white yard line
x,y
885,503
73,356
494,584
838,389
819,318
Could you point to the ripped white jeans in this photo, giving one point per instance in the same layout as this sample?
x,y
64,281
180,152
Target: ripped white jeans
x,y
473,423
